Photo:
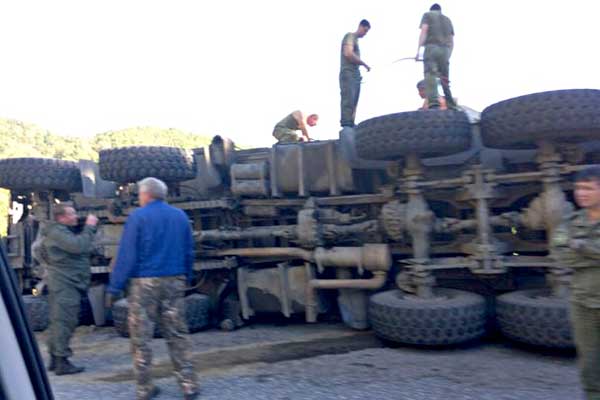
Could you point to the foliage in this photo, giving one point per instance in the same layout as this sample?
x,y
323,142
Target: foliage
x,y
19,139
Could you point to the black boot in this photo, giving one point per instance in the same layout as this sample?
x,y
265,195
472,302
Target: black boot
x,y
191,396
64,367
152,394
52,365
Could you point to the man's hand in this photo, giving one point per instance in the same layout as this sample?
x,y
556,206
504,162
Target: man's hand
x,y
108,300
91,220
367,67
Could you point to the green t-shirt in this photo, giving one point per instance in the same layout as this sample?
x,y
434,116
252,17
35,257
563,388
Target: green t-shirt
x,y
345,65
440,28
288,122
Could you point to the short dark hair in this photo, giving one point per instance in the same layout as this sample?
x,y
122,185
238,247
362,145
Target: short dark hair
x,y
60,210
436,7
589,174
365,23
421,84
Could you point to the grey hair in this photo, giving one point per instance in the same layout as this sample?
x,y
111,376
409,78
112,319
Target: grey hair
x,y
154,187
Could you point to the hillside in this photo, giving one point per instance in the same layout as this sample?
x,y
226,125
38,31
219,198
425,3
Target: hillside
x,y
19,139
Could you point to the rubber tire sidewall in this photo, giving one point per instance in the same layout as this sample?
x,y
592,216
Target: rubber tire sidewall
x,y
535,317
456,317
431,133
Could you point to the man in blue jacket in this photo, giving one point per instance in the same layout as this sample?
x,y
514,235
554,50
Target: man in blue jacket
x,y
156,256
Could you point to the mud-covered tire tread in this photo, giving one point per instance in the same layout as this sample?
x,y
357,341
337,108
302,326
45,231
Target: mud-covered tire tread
x,y
131,164
197,308
430,133
535,317
458,318
561,116
27,173
37,312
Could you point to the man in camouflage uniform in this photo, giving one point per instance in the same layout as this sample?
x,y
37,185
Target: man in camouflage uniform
x,y
286,130
350,78
156,256
68,278
576,244
437,35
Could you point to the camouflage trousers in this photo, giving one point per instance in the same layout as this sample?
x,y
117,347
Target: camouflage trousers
x,y
286,135
349,93
64,302
586,327
436,62
159,300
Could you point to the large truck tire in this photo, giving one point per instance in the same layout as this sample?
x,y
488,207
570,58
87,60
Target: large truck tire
x,y
452,317
559,116
131,164
37,312
431,133
33,174
197,307
535,317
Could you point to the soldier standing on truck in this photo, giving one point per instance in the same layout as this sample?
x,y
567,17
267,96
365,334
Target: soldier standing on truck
x,y
69,273
437,35
350,74
286,130
576,244
156,256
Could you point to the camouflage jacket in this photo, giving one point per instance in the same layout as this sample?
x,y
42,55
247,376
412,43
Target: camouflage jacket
x,y
576,244
68,256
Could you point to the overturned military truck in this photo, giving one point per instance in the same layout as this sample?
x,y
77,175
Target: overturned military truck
x,y
430,227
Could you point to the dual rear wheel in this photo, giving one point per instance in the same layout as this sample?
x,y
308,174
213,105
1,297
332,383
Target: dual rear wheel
x,y
534,317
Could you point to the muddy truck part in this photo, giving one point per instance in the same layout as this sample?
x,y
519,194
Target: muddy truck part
x,y
430,227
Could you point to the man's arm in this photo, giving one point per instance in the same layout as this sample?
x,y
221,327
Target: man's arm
x,y
126,258
586,248
422,38
189,252
71,243
451,43
299,117
566,251
351,56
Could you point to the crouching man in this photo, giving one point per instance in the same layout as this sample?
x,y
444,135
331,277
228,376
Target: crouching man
x,y
156,256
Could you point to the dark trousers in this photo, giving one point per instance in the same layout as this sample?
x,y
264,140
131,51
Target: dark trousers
x,y
350,92
64,302
586,327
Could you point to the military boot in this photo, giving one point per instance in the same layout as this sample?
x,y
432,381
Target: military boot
x,y
52,365
150,395
64,367
191,396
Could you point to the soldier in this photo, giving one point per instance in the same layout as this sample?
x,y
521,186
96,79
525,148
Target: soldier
x,y
437,35
68,278
286,131
576,244
350,74
156,255
421,88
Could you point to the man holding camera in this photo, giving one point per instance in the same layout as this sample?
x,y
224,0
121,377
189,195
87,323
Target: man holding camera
x,y
69,273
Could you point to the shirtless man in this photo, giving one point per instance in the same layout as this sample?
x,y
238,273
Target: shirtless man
x,y
421,87
286,130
